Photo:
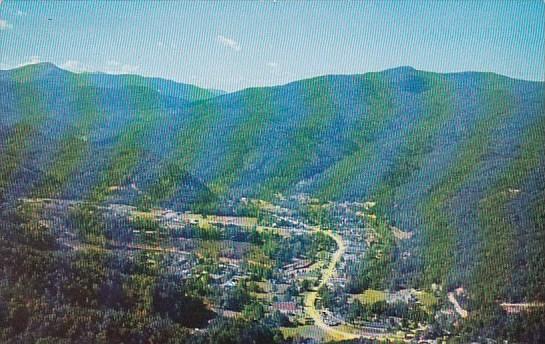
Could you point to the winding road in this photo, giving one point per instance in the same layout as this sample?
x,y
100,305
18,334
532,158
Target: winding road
x,y
462,312
310,298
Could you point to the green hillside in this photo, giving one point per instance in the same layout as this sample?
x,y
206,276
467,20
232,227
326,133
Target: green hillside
x,y
456,159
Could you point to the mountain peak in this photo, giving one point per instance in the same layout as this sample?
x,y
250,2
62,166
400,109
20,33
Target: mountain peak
x,y
34,71
42,67
400,73
400,70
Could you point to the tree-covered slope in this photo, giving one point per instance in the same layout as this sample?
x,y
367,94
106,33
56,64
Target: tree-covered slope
x,y
455,158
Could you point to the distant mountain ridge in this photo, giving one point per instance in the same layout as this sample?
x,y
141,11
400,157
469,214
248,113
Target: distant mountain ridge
x,y
49,73
443,155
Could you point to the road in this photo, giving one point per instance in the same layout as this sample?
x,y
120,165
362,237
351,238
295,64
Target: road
x,y
462,312
310,298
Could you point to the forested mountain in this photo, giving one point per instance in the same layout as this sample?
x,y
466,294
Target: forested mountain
x,y
457,159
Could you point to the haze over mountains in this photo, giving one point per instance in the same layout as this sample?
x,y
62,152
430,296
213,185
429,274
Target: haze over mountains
x,y
458,159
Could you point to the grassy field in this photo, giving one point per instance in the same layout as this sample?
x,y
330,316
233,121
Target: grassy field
x,y
306,331
427,299
371,296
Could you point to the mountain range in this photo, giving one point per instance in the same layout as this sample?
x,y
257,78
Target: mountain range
x,y
458,159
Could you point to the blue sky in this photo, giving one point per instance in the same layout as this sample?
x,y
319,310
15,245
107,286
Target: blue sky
x,y
233,45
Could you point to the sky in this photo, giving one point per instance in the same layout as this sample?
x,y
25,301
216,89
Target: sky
x,y
234,45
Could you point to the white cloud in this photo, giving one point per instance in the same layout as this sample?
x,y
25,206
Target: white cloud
x,y
272,64
4,25
75,66
229,42
115,67
31,60
20,13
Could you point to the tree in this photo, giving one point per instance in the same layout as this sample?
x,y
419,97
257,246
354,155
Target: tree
x,y
280,320
169,299
327,297
254,311
237,298
228,331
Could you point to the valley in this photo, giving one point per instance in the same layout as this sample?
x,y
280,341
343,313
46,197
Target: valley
x,y
224,255
401,206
